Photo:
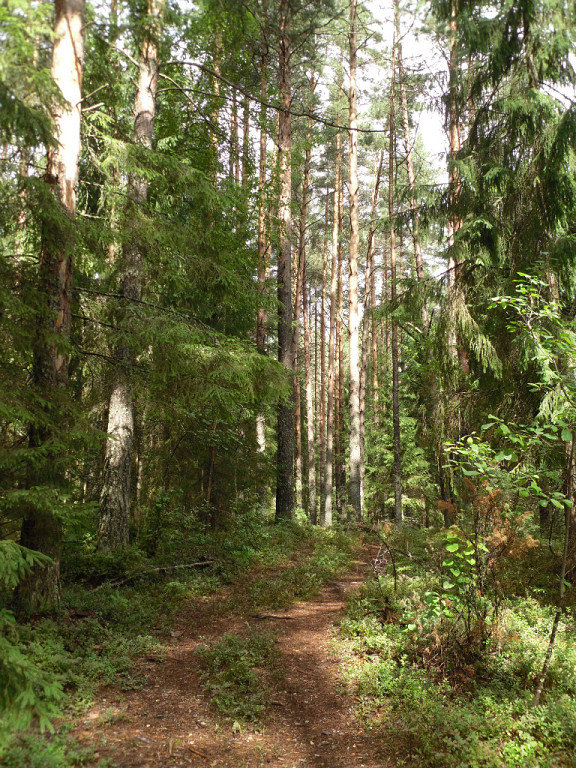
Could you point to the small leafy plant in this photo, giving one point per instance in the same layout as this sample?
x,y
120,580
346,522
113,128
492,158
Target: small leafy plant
x,y
237,673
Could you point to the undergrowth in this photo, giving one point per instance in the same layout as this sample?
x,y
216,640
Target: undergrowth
x,y
450,705
237,674
117,608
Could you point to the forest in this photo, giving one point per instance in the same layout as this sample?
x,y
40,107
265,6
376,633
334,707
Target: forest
x,y
288,383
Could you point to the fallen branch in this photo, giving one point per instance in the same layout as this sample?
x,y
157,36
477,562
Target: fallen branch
x,y
197,752
162,568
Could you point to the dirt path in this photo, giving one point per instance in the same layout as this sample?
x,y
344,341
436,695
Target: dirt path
x,y
168,723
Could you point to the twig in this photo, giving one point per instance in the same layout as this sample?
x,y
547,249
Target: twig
x,y
197,752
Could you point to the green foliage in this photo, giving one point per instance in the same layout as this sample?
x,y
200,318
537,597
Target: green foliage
x,y
236,675
476,712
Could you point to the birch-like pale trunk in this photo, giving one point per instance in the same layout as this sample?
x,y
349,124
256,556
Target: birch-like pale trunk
x,y
115,498
355,459
41,529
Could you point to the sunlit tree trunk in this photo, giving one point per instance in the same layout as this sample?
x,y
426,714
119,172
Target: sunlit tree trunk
x,y
113,532
285,429
41,529
355,459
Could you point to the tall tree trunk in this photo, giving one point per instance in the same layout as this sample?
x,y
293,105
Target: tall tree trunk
x,y
245,141
327,512
456,292
355,476
215,117
298,276
323,384
263,254
285,429
418,261
41,529
397,447
311,452
340,463
113,532
369,306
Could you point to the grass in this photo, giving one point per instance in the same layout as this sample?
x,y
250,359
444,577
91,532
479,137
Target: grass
x,y
237,674
465,710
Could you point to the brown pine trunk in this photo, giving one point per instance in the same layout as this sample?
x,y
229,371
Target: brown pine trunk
x,y
114,525
245,141
215,117
285,428
368,334
41,529
327,512
323,385
263,256
310,422
340,399
397,448
234,159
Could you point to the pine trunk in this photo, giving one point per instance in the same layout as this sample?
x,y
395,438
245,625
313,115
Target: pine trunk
x,y
114,526
327,512
309,394
263,257
285,428
397,447
369,306
41,529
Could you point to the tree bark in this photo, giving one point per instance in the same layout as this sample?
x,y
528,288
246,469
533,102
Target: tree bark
x,y
310,421
285,428
323,383
263,255
397,446
327,512
456,292
355,466
369,306
418,261
41,528
114,526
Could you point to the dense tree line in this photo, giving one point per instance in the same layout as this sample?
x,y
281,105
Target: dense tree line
x,y
234,282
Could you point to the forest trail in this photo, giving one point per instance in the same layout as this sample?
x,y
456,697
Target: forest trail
x,y
168,723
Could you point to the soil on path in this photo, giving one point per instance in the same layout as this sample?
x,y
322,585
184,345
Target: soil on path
x,y
168,723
